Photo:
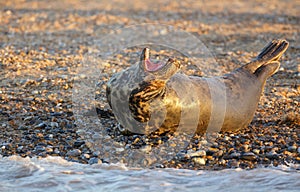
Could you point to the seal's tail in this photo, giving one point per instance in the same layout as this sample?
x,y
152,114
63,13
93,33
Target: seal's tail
x,y
266,63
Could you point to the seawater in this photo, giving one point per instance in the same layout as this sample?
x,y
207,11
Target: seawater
x,y
57,174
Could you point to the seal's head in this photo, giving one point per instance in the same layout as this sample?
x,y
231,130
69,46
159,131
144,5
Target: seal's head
x,y
157,70
152,86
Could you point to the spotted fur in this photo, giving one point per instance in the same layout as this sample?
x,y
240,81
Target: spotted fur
x,y
131,92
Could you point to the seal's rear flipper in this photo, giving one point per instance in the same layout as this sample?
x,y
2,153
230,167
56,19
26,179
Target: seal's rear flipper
x,y
267,70
271,52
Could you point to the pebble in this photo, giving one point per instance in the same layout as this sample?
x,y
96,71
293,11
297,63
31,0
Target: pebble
x,y
234,155
96,153
199,153
78,143
199,160
53,124
272,155
256,151
20,148
146,148
212,151
233,163
49,149
56,151
86,156
119,149
292,148
74,153
94,160
49,137
245,148
219,153
40,148
40,125
249,156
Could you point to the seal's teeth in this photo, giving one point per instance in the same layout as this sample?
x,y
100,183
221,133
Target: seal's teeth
x,y
146,53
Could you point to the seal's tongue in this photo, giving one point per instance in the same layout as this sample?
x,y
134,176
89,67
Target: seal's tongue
x,y
149,65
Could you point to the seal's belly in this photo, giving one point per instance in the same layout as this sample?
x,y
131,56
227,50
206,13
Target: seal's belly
x,y
210,104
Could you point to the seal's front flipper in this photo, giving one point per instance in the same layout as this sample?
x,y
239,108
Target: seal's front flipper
x,y
267,70
271,52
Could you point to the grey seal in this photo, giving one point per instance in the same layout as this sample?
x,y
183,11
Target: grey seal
x,y
150,96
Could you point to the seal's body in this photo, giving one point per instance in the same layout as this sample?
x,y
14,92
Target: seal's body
x,y
148,96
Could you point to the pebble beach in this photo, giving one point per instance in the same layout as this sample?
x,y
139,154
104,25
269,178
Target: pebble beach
x,y
42,44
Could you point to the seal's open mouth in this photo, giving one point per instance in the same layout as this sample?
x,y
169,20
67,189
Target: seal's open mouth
x,y
150,66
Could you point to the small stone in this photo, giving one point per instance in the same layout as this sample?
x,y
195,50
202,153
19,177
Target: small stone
x,y
22,127
210,158
199,160
56,151
245,148
272,155
256,151
234,155
149,160
49,149
95,160
199,153
35,92
54,124
182,155
40,148
49,137
298,149
56,114
119,149
219,153
41,125
249,156
86,156
203,142
28,118
212,151
78,143
43,154
287,153
136,141
96,153
292,148
233,163
19,149
146,148
74,153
